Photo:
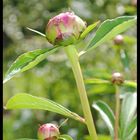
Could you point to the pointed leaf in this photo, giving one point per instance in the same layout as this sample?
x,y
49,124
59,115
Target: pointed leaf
x,y
128,111
127,83
104,137
100,137
65,137
97,81
26,139
35,31
109,29
27,61
23,101
131,129
89,29
106,114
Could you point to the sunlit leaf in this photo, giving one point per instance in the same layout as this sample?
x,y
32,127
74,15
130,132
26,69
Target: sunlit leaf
x,y
27,101
100,137
128,112
131,129
104,137
109,29
130,39
89,29
65,137
106,114
129,83
27,61
26,139
96,81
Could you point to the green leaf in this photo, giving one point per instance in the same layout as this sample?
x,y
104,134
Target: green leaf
x,y
104,137
35,31
97,81
131,129
25,139
65,137
24,101
109,29
106,114
128,112
127,83
27,61
100,137
89,29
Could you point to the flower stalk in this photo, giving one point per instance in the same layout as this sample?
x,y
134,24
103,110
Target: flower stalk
x,y
117,113
117,79
74,60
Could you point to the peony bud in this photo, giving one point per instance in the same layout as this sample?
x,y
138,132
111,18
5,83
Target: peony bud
x,y
48,132
117,78
118,39
64,29
134,2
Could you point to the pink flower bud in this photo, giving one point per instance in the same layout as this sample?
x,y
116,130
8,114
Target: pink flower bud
x,y
134,2
48,132
117,78
118,39
64,29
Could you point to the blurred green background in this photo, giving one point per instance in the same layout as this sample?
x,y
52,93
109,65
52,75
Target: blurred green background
x,y
53,78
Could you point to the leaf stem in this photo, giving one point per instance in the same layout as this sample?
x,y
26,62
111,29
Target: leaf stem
x,y
117,113
74,60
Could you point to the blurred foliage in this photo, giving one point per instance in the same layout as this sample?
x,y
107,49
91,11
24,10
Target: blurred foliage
x,y
53,77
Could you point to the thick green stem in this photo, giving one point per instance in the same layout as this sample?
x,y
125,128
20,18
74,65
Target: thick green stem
x,y
116,127
73,58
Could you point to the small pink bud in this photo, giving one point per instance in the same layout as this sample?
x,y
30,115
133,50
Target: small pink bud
x,y
134,2
48,132
64,29
118,39
117,78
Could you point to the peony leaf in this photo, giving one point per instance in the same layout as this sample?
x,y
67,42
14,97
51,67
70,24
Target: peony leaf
x,y
89,29
65,137
109,29
23,101
128,113
27,61
106,114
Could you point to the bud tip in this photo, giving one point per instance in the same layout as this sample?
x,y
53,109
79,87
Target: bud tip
x,y
117,78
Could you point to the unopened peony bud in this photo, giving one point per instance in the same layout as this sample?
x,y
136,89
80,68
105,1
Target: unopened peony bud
x,y
118,39
134,2
64,29
48,132
117,78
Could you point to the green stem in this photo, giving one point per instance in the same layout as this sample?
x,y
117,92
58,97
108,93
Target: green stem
x,y
116,128
73,58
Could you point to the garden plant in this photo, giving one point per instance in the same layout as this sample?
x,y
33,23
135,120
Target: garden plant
x,y
65,31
